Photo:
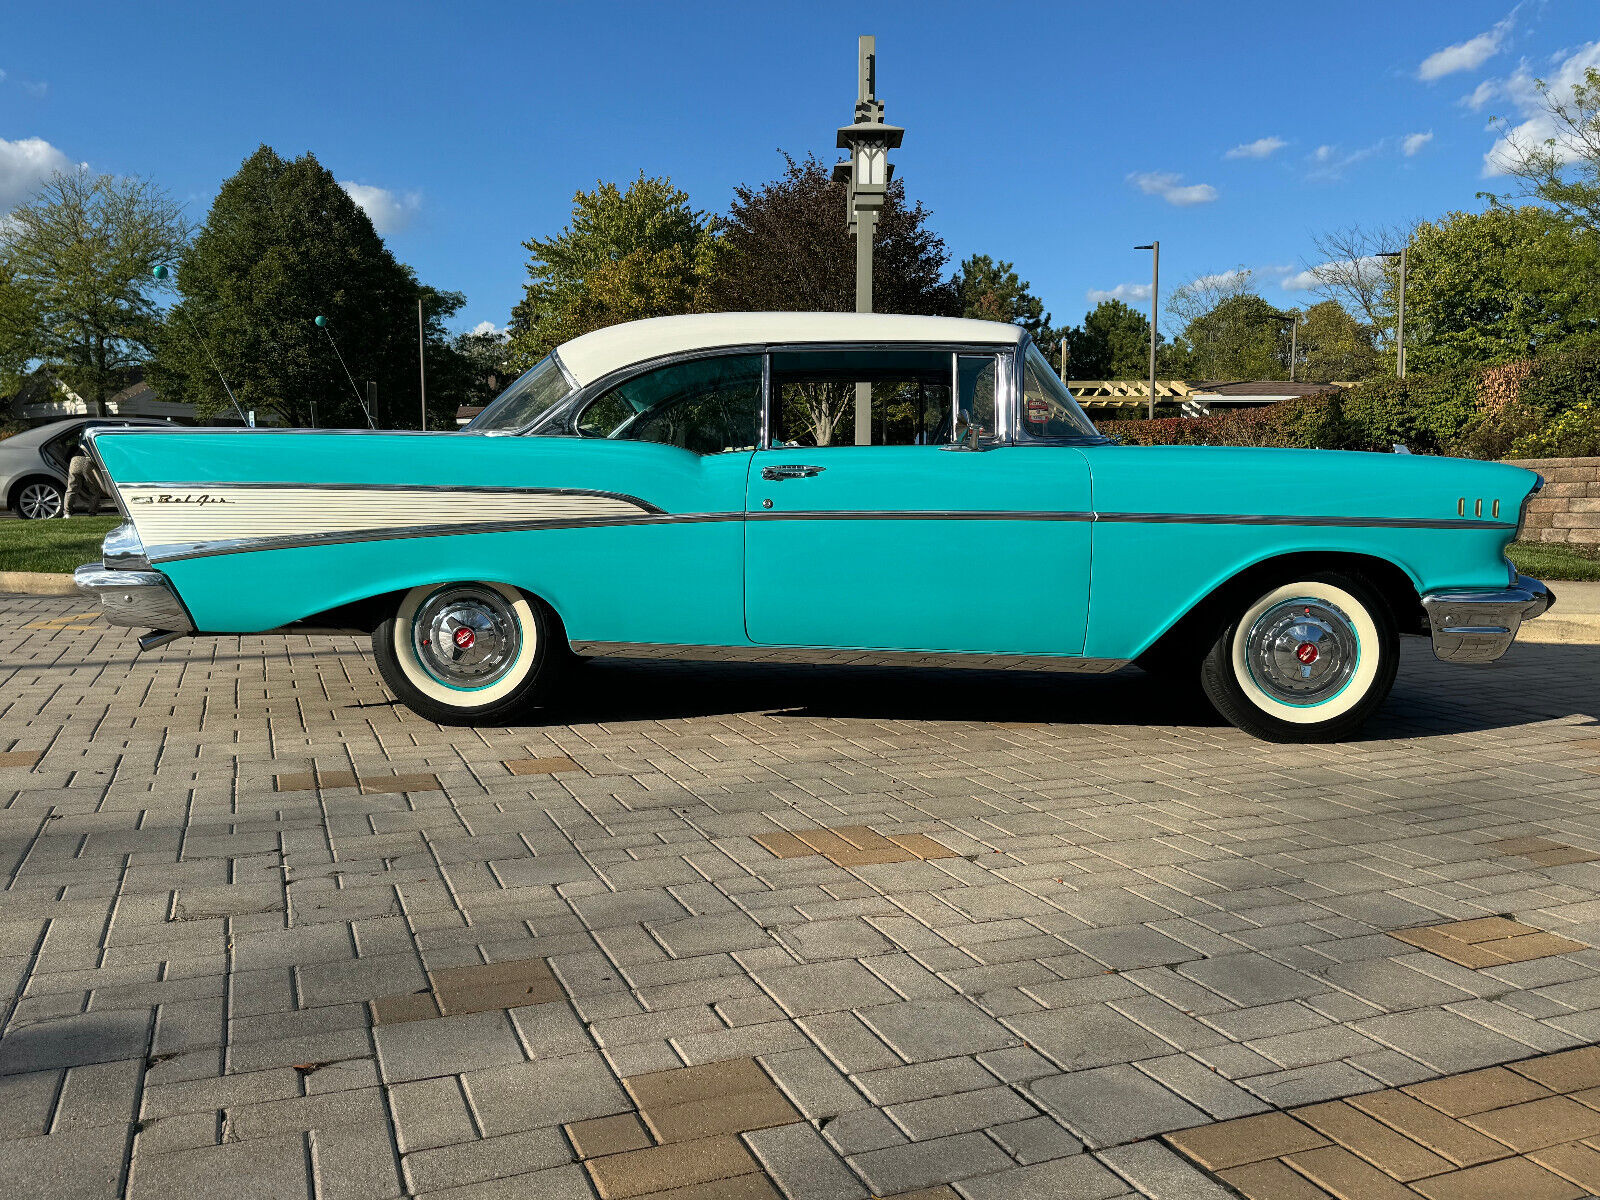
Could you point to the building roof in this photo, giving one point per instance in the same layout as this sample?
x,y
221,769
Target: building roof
x,y
1262,387
597,354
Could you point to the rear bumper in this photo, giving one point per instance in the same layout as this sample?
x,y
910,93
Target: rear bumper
x,y
1478,627
139,599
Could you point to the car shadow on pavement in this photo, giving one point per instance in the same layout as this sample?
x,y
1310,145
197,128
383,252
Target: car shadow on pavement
x,y
1430,698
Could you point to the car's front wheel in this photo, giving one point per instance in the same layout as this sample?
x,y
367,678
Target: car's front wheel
x,y
1308,660
469,653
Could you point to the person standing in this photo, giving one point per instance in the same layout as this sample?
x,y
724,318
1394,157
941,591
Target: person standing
x,y
83,479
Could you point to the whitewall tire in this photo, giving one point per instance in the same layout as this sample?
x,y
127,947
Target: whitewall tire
x,y
468,652
1308,660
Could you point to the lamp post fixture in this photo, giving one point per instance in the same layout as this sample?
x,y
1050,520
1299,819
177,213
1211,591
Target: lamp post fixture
x,y
1155,290
866,178
1400,321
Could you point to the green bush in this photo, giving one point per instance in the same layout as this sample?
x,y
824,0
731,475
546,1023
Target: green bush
x,y
1423,413
1311,422
1574,433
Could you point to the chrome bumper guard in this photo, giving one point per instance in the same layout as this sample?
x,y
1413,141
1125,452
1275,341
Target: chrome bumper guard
x,y
141,599
1478,627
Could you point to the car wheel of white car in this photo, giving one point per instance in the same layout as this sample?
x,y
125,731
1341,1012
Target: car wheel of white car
x,y
467,653
37,499
1306,661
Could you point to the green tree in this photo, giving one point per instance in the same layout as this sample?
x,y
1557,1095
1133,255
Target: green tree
x,y
19,323
284,244
1229,331
1491,286
1562,170
78,258
1112,343
785,247
1334,345
992,291
625,255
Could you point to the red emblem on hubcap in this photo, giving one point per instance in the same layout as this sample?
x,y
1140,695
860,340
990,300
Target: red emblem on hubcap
x,y
464,638
1306,652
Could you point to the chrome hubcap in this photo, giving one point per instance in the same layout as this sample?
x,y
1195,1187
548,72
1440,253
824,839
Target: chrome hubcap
x,y
39,500
466,636
1302,652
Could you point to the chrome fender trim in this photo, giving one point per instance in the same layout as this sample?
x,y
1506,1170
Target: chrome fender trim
x,y
139,599
812,656
1478,627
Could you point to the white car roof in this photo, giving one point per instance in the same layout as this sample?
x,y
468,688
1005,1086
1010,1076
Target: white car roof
x,y
597,354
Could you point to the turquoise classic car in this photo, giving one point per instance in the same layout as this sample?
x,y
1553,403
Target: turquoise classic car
x,y
817,486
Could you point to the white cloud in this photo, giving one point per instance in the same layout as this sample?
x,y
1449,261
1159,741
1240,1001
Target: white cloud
x,y
1467,55
1536,126
1222,279
1370,267
1480,95
1166,185
1126,292
1260,148
24,165
487,328
1413,142
1331,161
390,211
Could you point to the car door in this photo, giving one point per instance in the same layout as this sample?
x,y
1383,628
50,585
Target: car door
x,y
901,538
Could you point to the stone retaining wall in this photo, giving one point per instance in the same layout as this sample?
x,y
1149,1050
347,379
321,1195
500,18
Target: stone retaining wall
x,y
1568,510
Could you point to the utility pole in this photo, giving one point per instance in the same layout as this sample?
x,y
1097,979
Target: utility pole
x,y
422,365
1155,292
866,178
1400,321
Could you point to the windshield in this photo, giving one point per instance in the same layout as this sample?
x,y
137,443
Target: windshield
x,y
1048,409
528,398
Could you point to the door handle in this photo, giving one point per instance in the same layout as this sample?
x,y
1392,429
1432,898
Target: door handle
x,y
790,471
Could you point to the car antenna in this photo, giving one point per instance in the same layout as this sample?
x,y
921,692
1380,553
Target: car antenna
x,y
322,324
164,273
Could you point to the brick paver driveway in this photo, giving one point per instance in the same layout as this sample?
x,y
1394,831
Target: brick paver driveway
x,y
267,934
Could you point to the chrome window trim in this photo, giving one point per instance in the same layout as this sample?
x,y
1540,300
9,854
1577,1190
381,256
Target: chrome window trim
x,y
472,488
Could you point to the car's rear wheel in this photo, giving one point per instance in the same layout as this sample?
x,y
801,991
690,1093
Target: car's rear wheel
x,y
469,653
1308,660
37,499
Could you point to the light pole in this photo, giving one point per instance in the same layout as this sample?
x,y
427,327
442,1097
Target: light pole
x,y
1293,318
1400,319
866,177
1155,291
422,365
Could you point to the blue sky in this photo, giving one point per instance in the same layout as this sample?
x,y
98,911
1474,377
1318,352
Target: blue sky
x,y
1054,135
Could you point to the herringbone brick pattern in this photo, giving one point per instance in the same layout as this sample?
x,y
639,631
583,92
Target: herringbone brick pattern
x,y
266,932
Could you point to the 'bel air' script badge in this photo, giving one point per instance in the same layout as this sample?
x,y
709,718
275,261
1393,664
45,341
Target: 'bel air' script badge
x,y
180,498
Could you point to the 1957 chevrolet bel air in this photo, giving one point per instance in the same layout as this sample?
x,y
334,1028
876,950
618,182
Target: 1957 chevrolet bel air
x,y
793,486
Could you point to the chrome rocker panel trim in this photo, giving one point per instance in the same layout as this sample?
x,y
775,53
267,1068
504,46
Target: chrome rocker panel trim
x,y
809,656
1478,627
139,599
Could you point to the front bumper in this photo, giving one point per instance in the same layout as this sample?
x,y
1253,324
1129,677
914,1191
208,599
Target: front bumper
x,y
1478,627
141,599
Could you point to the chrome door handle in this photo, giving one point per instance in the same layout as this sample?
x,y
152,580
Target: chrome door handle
x,y
790,471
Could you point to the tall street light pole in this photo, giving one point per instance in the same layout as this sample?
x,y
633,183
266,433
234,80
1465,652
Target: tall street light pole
x,y
1155,291
866,178
422,366
1400,318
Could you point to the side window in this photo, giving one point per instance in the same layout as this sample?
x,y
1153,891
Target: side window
x,y
707,405
906,395
975,378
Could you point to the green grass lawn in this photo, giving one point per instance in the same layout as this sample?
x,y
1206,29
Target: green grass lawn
x,y
1549,560
58,546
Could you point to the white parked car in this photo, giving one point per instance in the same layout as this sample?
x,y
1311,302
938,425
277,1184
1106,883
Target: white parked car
x,y
33,464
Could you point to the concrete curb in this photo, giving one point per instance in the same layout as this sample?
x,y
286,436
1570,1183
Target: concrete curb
x,y
37,583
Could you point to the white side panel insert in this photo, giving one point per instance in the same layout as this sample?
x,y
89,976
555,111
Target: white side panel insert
x,y
177,519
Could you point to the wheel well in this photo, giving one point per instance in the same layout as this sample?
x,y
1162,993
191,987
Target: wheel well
x,y
16,488
1199,624
366,614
